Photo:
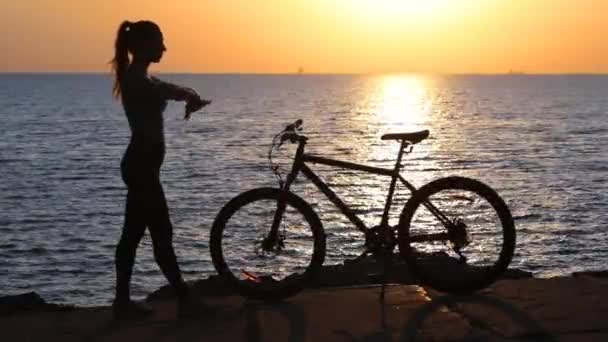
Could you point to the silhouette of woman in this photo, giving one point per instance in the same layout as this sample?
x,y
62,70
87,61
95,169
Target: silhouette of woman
x,y
144,99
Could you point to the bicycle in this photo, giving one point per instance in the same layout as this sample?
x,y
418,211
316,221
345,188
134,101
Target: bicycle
x,y
288,252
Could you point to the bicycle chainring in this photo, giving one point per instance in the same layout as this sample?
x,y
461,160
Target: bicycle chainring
x,y
380,239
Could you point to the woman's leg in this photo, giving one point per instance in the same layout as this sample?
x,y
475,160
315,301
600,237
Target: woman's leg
x,y
161,232
132,232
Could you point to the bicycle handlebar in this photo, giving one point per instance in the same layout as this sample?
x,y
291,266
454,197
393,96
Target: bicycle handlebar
x,y
295,126
291,132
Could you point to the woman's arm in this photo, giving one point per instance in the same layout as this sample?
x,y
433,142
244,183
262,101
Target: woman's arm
x,y
174,92
178,93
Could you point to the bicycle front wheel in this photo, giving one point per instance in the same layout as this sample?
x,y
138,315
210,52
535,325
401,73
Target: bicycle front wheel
x,y
457,235
268,243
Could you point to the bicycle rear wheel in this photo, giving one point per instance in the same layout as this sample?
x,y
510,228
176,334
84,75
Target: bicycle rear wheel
x,y
260,264
476,249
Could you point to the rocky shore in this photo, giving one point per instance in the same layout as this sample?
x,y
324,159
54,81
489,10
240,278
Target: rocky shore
x,y
366,271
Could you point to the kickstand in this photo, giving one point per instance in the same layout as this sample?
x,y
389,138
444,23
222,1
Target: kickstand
x,y
388,265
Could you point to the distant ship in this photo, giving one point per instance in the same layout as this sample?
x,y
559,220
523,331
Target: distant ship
x,y
515,72
300,71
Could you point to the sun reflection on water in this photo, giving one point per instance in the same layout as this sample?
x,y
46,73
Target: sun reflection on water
x,y
404,102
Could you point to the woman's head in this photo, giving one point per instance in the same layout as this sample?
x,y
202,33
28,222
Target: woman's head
x,y
143,40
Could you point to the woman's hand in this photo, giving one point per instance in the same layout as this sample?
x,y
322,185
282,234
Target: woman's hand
x,y
193,104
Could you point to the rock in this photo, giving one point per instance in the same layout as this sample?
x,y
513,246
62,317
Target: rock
x,y
596,274
26,301
30,301
513,273
212,286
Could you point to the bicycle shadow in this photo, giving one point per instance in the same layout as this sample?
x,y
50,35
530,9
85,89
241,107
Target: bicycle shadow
x,y
382,335
258,315
487,317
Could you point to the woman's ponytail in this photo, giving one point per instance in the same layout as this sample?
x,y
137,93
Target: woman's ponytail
x,y
120,62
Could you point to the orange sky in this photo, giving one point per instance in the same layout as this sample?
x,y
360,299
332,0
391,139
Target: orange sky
x,y
322,36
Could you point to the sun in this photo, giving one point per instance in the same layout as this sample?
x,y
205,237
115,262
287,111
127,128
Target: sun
x,y
382,11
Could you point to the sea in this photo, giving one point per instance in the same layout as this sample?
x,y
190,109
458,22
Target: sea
x,y
538,140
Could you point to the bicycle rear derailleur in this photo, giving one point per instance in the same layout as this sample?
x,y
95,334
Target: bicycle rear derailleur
x,y
459,237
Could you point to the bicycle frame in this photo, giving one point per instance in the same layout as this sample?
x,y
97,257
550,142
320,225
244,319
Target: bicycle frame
x,y
299,165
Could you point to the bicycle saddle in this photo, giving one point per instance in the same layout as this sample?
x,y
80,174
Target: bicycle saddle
x,y
413,138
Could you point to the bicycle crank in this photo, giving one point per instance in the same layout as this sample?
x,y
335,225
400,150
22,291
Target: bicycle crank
x,y
380,239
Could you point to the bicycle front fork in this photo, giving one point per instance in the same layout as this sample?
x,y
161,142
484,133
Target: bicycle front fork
x,y
274,241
